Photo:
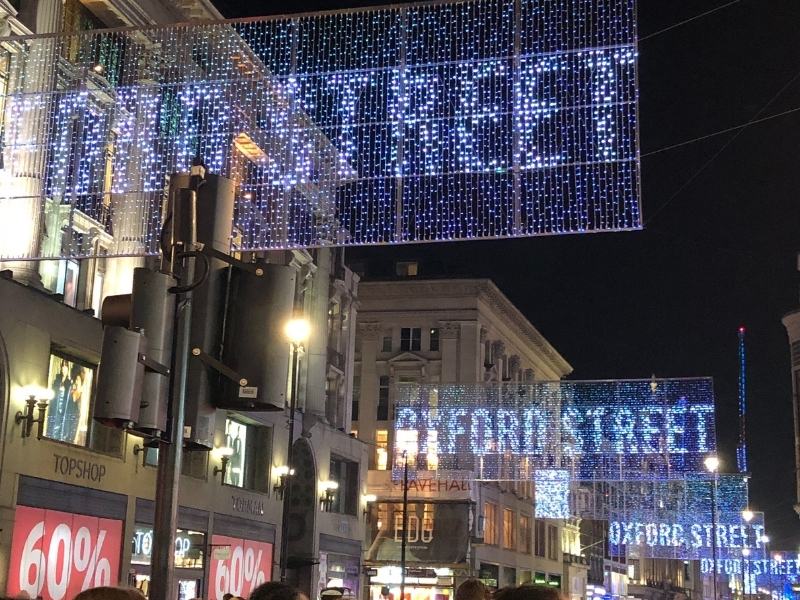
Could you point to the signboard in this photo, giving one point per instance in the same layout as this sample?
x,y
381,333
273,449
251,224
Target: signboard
x,y
451,120
189,547
247,565
55,555
438,532
626,429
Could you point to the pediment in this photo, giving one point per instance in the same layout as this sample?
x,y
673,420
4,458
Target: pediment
x,y
408,358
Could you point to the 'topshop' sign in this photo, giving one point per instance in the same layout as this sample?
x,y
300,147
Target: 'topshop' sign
x,y
238,566
55,555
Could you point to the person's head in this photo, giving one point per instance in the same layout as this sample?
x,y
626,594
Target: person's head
x,y
227,596
276,590
529,592
472,589
110,593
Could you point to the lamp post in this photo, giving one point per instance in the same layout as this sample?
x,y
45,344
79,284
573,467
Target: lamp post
x,y
745,571
297,332
712,465
405,528
747,516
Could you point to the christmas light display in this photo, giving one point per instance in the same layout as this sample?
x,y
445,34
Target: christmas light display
x,y
595,430
462,120
552,494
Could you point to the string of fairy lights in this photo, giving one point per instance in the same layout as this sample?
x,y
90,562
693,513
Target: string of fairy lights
x,y
628,452
461,120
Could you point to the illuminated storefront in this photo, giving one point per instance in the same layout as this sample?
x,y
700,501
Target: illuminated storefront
x,y
437,544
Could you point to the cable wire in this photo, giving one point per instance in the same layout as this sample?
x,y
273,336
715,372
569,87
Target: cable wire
x,y
689,20
721,131
733,138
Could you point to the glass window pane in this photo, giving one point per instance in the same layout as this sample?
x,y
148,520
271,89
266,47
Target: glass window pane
x,y
236,439
68,410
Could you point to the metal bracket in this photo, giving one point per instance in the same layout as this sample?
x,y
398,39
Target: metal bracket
x,y
154,366
221,368
256,269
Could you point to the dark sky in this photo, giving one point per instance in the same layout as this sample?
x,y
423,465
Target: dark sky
x,y
668,300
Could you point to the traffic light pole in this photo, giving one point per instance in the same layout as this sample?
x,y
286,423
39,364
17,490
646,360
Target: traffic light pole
x,y
170,455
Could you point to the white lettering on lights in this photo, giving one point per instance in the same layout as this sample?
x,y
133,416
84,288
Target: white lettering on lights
x,y
693,535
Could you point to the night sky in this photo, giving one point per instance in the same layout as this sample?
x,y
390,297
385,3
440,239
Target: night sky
x,y
721,253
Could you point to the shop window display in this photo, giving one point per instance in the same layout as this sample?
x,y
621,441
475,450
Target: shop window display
x,y
68,411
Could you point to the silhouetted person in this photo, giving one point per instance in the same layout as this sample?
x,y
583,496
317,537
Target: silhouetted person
x,y
110,593
472,589
275,590
528,592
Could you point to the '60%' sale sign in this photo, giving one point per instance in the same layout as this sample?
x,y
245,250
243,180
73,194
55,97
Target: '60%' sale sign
x,y
238,566
55,555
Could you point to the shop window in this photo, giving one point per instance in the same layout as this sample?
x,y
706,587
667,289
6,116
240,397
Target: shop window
x,y
410,338
552,542
381,449
356,397
407,441
490,524
386,346
539,542
248,466
434,342
525,534
68,411
345,473
509,541
383,399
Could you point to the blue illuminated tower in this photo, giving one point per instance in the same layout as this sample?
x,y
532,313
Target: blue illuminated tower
x,y
741,450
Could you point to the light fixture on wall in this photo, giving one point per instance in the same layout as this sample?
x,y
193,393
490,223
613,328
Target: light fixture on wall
x,y
224,453
281,473
35,399
328,495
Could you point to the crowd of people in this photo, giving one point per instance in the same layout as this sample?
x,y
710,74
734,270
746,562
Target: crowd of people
x,y
471,589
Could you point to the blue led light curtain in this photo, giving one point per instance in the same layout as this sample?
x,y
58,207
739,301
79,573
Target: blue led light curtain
x,y
467,120
593,430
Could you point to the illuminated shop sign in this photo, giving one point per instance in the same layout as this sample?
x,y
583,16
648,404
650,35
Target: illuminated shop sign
x,y
607,429
55,555
438,532
238,566
189,547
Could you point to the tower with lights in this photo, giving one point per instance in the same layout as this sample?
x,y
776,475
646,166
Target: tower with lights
x,y
741,449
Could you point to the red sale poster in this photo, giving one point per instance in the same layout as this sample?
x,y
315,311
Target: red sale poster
x,y
238,566
55,555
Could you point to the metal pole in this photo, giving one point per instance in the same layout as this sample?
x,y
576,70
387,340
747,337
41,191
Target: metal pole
x,y
287,492
714,534
170,456
405,527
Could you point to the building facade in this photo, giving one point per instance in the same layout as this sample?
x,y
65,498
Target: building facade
x,y
792,323
76,497
414,331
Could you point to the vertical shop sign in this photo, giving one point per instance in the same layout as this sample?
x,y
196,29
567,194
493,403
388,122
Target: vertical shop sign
x,y
238,566
55,555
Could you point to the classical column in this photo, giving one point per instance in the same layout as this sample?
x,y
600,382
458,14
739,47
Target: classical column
x,y
26,143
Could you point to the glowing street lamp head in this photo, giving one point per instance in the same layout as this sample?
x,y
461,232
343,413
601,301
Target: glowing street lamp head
x,y
711,463
297,330
747,515
745,552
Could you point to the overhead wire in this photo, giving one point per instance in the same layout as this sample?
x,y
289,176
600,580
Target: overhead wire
x,y
689,20
739,129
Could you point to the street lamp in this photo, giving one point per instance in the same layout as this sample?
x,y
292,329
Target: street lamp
x,y
712,465
747,515
297,332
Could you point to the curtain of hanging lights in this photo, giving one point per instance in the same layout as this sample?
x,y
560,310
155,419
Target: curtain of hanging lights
x,y
467,120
